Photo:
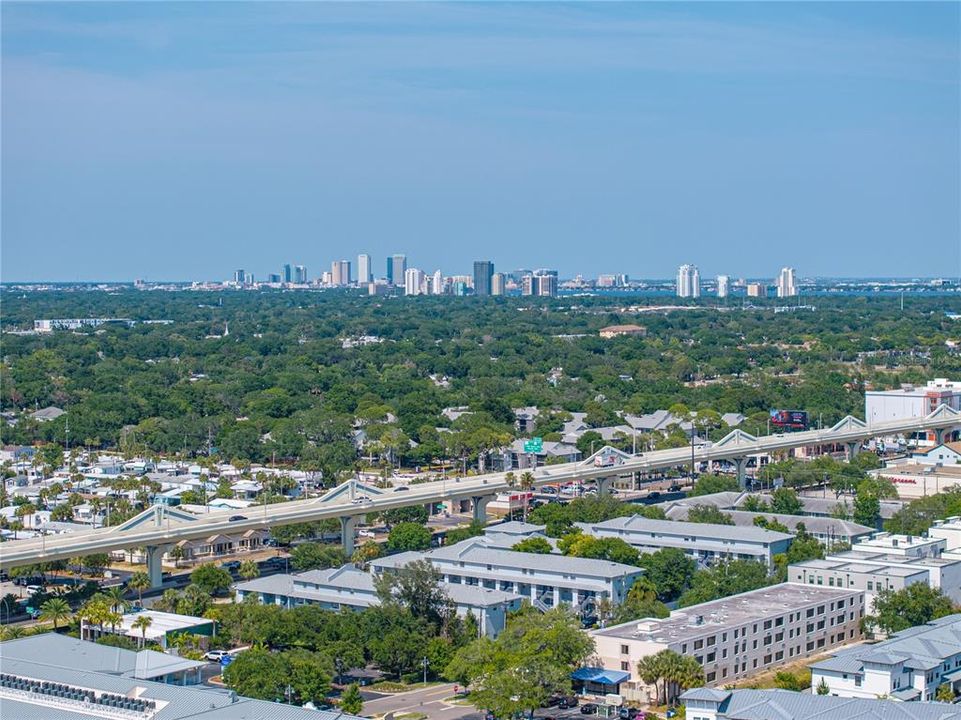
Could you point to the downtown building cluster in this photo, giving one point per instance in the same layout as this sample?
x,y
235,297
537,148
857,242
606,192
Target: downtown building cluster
x,y
688,284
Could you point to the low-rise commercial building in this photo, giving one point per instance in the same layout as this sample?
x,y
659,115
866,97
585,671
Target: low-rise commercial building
x,y
914,480
910,665
349,588
907,546
55,677
738,636
711,704
706,542
546,580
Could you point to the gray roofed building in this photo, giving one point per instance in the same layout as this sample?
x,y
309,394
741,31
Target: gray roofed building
x,y
349,587
47,414
704,541
828,531
913,663
548,580
787,705
49,665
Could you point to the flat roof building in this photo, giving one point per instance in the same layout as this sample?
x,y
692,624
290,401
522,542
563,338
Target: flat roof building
x,y
703,541
738,636
909,546
910,665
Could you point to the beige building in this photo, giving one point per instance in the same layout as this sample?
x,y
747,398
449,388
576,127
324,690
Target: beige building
x,y
739,636
617,330
915,480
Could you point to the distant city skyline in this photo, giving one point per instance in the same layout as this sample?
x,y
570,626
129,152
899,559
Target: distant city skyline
x,y
174,142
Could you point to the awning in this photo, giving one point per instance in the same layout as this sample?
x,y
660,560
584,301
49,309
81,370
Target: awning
x,y
907,694
952,676
600,676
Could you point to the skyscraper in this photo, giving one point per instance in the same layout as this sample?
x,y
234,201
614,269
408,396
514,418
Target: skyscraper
x,y
437,283
786,283
497,284
364,274
287,274
396,269
483,272
541,282
240,277
413,281
723,286
300,274
688,281
340,272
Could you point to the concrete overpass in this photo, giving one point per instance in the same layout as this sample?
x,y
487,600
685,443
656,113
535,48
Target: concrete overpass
x,y
158,528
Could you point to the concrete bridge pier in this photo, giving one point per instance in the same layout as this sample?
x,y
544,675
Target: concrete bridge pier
x,y
939,434
852,449
479,503
155,555
347,527
741,465
603,486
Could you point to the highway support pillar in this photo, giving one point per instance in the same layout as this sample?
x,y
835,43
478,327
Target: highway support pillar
x,y
155,555
347,526
939,434
603,486
479,503
741,465
852,449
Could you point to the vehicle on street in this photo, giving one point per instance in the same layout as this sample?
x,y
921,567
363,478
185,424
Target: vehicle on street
x,y
360,500
231,565
627,713
569,701
216,655
236,518
588,709
402,488
366,533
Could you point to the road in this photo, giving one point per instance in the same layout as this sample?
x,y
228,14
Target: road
x,y
159,527
431,702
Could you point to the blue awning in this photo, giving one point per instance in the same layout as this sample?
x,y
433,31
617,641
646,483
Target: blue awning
x,y
600,676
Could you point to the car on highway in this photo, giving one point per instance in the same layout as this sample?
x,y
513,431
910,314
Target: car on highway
x,y
360,500
236,518
402,488
366,533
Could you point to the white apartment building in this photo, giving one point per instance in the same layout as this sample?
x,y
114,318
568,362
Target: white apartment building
x,y
688,281
349,588
703,541
948,530
908,666
413,281
748,704
786,283
546,580
908,546
873,572
723,286
738,636
911,401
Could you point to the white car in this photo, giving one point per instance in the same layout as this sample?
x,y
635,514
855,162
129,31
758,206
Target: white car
x,y
360,500
366,533
216,655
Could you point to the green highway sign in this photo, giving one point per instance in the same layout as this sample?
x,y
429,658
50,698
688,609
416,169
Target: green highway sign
x,y
534,445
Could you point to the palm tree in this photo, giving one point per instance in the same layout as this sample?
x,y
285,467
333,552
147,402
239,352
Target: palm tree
x,y
142,623
55,610
650,669
93,612
24,511
11,632
115,600
139,581
526,485
249,570
510,478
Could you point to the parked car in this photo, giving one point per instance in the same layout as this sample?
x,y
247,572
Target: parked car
x,y
231,565
569,701
551,701
588,709
366,533
216,655
627,713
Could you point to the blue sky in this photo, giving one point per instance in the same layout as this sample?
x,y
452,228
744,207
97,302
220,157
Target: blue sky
x,y
179,141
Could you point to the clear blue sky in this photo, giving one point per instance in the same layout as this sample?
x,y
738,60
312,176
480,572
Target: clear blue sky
x,y
180,141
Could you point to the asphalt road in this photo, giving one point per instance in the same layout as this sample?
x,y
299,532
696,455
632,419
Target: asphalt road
x,y
431,702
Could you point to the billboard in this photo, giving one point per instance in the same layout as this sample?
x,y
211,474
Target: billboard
x,y
789,419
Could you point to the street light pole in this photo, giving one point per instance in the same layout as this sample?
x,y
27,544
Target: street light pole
x,y
425,663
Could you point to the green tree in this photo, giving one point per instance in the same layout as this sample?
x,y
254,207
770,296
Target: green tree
x,y
408,536
917,604
587,546
139,581
463,533
785,501
533,544
822,688
55,610
142,623
415,586
351,701
670,570
708,514
725,579
249,570
257,673
370,550
316,556
710,484
211,579
945,693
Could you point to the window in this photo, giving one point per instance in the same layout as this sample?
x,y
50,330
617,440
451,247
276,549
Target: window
x,y
710,677
711,640
698,644
711,656
625,666
625,650
870,585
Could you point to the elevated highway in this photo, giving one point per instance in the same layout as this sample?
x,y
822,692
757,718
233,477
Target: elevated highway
x,y
159,528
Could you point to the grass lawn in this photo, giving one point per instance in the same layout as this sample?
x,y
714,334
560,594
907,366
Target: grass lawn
x,y
391,686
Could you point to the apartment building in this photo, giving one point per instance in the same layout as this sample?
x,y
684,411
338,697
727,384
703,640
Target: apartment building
x,y
546,580
828,531
738,636
711,704
706,542
873,572
350,588
908,666
948,530
907,546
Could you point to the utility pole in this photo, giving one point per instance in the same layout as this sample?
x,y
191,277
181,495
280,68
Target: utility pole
x,y
425,662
